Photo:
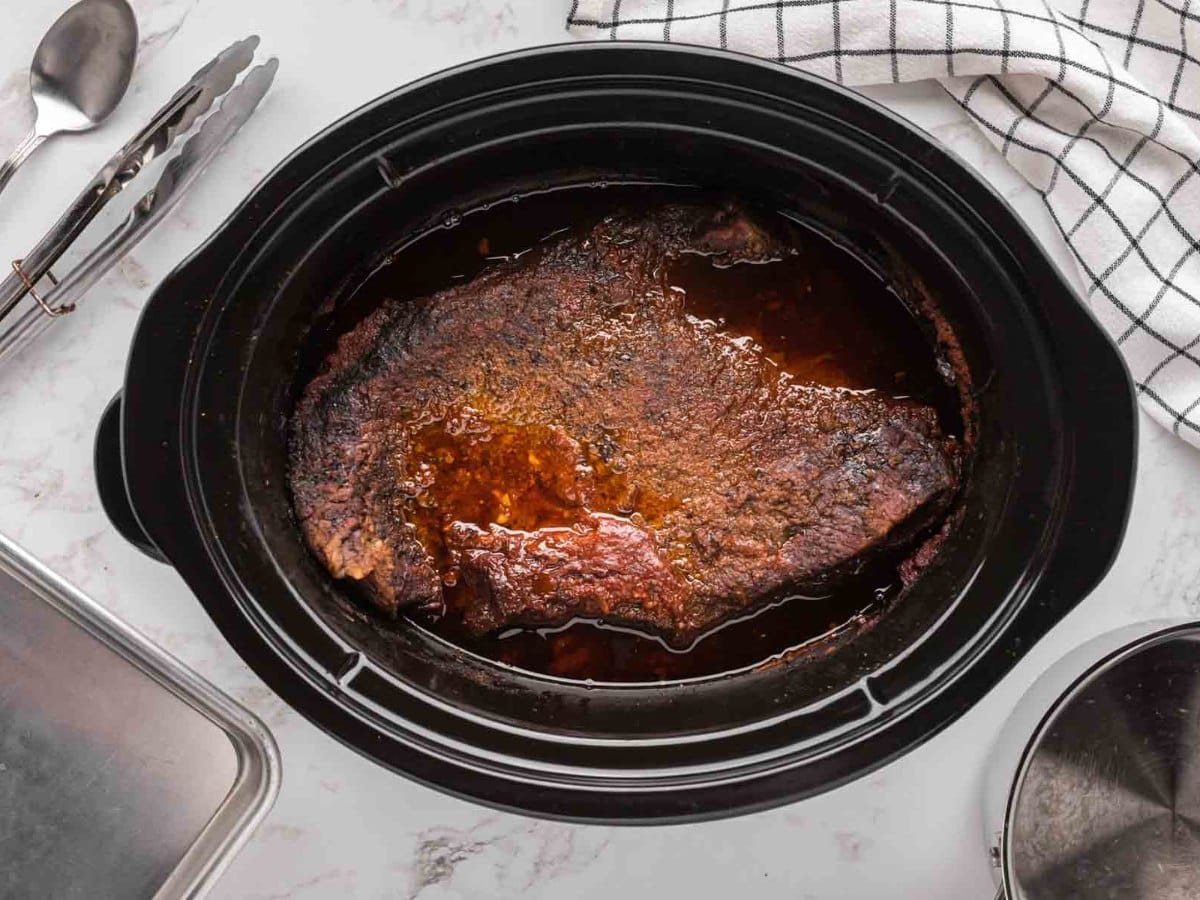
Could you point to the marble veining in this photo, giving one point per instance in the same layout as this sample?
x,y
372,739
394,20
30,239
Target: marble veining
x,y
512,855
343,827
158,22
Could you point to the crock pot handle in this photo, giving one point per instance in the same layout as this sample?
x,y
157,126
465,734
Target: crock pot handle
x,y
107,460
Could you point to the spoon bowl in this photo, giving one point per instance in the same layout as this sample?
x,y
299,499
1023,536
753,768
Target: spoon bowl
x,y
80,72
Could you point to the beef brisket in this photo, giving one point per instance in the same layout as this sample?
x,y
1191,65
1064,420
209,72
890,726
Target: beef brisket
x,y
560,438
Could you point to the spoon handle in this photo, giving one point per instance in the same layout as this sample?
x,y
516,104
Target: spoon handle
x,y
31,142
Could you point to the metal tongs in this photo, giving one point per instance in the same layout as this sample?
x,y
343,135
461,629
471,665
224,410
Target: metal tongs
x,y
21,323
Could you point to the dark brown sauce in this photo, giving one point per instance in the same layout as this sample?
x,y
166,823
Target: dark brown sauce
x,y
821,316
818,317
465,468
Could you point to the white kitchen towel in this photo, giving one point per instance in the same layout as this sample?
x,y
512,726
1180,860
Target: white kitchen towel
x,y
1095,102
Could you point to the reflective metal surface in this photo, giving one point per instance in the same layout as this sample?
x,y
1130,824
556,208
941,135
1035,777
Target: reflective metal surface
x,y
80,72
181,112
121,773
176,178
1107,801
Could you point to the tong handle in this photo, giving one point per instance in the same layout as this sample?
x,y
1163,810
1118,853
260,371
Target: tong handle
x,y
177,116
106,184
176,178
37,262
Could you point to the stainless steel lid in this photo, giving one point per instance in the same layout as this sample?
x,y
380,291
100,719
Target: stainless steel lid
x,y
1106,803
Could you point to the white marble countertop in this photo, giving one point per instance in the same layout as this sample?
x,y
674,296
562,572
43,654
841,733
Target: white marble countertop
x,y
344,827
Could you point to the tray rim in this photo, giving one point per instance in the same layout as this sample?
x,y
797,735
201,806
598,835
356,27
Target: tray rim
x,y
256,785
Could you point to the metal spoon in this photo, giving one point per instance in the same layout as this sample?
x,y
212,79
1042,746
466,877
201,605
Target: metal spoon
x,y
80,72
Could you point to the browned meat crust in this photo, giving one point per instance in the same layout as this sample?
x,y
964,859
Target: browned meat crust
x,y
557,438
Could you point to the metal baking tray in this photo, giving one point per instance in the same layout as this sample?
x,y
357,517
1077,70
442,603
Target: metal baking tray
x,y
122,773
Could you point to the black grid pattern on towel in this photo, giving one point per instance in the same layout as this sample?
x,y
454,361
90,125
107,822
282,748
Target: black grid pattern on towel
x,y
1118,192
